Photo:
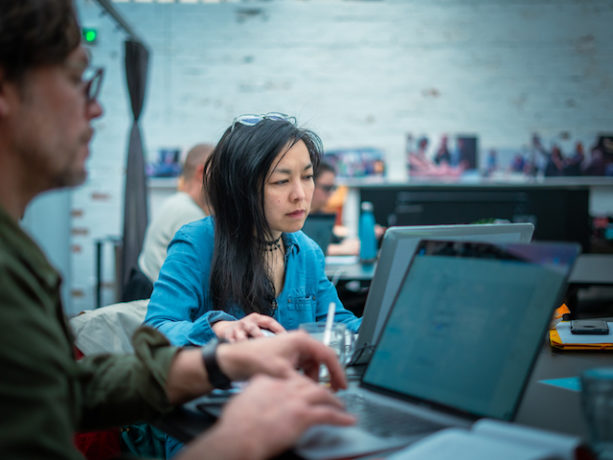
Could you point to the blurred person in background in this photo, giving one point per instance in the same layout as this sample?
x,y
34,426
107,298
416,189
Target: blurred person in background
x,y
187,204
325,186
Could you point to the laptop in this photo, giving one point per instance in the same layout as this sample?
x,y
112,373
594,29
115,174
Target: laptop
x,y
459,343
397,248
319,228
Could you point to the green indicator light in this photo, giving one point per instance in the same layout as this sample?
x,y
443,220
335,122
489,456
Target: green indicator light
x,y
90,35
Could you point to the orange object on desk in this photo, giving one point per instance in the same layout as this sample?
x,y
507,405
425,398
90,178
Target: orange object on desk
x,y
561,311
558,315
556,342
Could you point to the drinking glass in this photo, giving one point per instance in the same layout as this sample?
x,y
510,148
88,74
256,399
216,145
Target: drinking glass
x,y
597,405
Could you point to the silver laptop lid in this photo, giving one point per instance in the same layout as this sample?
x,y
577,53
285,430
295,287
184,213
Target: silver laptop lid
x,y
397,248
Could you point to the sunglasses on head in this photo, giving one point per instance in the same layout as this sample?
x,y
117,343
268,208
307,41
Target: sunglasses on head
x,y
250,119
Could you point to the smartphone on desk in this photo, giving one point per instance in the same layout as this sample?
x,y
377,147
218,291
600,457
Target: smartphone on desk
x,y
589,326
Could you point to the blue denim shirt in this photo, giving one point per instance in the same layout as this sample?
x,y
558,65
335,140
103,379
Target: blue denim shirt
x,y
181,306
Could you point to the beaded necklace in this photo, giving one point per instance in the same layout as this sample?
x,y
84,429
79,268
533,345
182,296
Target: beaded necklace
x,y
273,245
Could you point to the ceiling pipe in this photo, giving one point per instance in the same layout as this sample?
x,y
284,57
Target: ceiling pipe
x,y
110,9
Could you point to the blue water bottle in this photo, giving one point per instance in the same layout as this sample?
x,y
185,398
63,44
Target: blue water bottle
x,y
368,241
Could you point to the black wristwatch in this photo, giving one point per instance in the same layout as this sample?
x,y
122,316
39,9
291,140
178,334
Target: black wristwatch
x,y
209,356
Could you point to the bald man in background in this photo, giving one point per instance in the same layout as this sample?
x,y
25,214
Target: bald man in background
x,y
188,204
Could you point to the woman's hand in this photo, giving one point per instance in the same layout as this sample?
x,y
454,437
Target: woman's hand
x,y
248,327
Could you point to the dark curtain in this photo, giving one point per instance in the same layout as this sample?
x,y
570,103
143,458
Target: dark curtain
x,y
135,214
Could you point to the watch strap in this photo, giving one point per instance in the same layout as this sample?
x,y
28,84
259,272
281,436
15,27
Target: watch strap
x,y
216,376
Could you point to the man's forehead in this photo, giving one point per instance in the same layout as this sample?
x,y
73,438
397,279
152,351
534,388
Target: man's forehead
x,y
327,175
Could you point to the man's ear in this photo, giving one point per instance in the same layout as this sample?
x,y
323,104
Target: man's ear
x,y
199,172
4,103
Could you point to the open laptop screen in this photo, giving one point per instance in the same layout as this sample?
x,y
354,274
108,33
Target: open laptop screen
x,y
465,328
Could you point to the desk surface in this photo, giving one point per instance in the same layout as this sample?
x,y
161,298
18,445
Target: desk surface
x,y
553,408
593,269
348,268
543,406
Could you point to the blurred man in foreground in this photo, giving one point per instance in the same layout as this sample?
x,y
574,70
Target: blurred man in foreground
x,y
47,104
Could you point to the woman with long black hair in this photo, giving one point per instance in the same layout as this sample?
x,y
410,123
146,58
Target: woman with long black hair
x,y
249,268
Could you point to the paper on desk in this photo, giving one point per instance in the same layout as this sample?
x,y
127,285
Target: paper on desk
x,y
454,443
567,383
566,336
488,439
341,260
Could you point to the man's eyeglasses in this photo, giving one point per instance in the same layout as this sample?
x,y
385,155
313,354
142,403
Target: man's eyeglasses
x,y
93,82
250,119
327,188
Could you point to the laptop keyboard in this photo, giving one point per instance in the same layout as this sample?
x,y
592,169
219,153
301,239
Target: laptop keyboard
x,y
385,421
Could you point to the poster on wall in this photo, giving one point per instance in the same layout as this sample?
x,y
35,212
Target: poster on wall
x,y
458,156
561,156
167,163
447,158
357,162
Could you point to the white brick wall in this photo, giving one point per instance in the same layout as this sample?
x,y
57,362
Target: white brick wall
x,y
358,73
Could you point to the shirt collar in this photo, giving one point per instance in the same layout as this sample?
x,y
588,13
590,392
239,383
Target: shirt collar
x,y
291,243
